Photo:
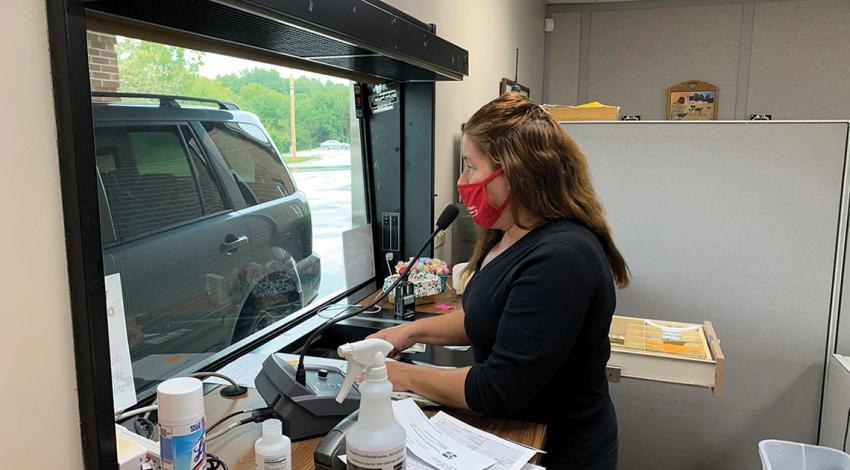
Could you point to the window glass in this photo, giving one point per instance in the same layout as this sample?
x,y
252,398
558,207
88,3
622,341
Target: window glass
x,y
158,152
254,162
226,222
210,190
147,178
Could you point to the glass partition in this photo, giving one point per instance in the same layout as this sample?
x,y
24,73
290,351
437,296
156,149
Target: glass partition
x,y
219,217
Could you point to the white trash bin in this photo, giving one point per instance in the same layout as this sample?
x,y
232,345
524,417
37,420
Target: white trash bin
x,y
785,455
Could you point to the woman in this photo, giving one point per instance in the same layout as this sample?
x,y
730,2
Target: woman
x,y
538,307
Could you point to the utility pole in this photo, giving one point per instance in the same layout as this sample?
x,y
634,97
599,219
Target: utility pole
x,y
292,113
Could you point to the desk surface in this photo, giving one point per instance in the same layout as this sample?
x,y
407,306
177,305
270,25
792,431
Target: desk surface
x,y
236,447
429,304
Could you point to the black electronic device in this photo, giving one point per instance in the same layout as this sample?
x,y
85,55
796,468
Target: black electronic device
x,y
405,301
305,410
326,455
304,398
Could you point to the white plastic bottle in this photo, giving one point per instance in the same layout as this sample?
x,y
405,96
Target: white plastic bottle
x,y
273,451
182,427
376,441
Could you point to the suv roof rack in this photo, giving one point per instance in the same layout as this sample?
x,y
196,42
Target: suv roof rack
x,y
167,100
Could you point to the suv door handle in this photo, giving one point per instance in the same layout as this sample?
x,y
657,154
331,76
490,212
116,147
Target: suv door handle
x,y
232,243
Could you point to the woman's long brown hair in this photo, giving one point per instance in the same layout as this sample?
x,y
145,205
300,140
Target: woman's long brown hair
x,y
547,172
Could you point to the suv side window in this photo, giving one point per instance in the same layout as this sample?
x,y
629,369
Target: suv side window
x,y
210,190
149,179
256,167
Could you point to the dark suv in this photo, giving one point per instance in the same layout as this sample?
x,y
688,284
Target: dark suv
x,y
201,218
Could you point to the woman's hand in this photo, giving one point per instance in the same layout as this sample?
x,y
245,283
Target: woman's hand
x,y
399,336
399,375
446,386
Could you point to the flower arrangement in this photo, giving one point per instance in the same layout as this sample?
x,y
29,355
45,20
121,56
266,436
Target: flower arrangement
x,y
433,266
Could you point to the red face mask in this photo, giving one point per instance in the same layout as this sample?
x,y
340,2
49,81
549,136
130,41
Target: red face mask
x,y
475,198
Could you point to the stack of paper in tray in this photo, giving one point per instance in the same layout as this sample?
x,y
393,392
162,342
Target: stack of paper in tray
x,y
446,443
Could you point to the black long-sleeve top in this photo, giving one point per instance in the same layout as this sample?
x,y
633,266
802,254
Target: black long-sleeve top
x,y
538,316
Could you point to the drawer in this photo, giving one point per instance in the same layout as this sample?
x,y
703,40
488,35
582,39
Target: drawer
x,y
665,351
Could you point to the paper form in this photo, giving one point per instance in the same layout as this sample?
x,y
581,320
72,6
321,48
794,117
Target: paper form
x,y
433,447
357,255
416,348
243,370
123,386
508,455
315,361
419,399
157,367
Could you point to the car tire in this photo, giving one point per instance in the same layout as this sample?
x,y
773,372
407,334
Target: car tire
x,y
252,321
258,312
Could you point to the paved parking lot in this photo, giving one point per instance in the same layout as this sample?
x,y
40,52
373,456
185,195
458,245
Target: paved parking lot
x,y
327,184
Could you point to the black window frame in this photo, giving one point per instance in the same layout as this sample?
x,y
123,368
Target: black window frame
x,y
402,46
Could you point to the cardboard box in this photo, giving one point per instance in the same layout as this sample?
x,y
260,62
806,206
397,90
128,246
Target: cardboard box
x,y
583,113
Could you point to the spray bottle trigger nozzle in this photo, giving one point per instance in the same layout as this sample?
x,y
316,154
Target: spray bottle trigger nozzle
x,y
352,371
361,357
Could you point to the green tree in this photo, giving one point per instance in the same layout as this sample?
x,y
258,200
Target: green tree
x,y
271,107
203,87
321,112
147,67
268,78
321,106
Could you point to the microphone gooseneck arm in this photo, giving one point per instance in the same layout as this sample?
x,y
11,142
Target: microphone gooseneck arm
x,y
446,218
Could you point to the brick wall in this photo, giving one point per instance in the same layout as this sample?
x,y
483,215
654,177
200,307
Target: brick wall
x,y
103,62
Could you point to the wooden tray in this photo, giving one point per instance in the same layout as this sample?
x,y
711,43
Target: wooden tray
x,y
640,350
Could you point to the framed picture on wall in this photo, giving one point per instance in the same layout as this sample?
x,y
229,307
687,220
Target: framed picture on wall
x,y
693,100
508,85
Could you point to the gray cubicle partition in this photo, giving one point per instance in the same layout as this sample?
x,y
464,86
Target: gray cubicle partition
x,y
736,223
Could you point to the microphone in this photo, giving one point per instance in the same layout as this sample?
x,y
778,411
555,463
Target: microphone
x,y
446,218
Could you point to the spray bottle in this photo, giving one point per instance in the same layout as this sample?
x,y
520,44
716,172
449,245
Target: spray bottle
x,y
376,441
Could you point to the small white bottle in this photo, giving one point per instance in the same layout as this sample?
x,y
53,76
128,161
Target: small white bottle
x,y
376,441
273,451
